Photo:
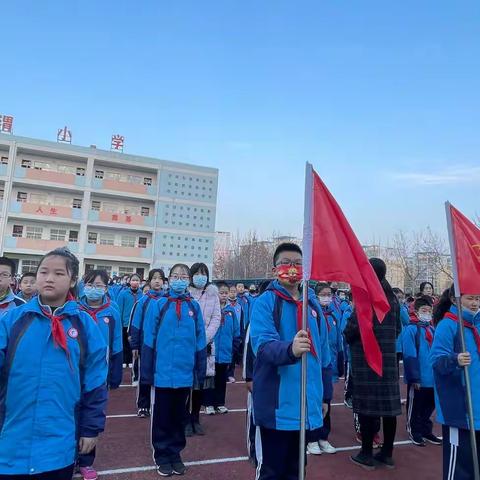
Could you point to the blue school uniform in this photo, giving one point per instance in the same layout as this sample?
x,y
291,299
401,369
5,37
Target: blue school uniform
x,y
174,347
107,317
277,372
335,341
9,303
48,398
227,334
22,296
405,321
126,300
245,302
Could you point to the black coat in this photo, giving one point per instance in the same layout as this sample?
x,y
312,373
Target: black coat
x,y
374,395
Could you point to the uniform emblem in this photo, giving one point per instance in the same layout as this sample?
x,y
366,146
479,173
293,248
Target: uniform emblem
x,y
314,314
106,320
73,333
190,313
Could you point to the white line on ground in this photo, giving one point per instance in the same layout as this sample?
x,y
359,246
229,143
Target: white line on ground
x,y
239,382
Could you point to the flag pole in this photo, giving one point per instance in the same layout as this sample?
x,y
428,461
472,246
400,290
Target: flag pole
x,y
468,388
303,391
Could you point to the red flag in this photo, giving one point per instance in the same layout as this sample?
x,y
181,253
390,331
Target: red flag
x,y
332,252
466,252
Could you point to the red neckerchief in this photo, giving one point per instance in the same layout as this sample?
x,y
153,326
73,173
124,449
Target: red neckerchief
x,y
233,303
4,305
428,331
327,313
94,311
58,333
154,296
178,304
470,327
299,305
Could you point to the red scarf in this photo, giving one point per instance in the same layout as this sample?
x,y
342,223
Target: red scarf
x,y
178,304
94,311
58,333
154,296
467,325
299,305
4,305
428,331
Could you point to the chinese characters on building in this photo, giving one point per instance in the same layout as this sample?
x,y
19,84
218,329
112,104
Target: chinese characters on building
x,y
118,142
64,135
6,123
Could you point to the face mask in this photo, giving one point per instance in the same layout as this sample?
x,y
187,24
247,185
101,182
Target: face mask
x,y
471,312
94,294
342,296
179,286
425,317
289,273
325,300
200,281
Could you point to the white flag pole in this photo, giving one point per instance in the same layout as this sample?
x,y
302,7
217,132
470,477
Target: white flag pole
x,y
468,388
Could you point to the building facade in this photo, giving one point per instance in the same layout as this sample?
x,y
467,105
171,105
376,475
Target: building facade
x,y
119,212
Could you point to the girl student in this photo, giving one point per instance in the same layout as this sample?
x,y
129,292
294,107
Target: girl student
x,y
54,369
173,360
448,363
156,280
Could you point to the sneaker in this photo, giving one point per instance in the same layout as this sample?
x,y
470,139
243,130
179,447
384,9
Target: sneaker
x,y
358,438
179,468
198,429
417,440
88,473
209,410
326,447
165,470
348,402
431,438
221,409
143,412
231,379
377,442
134,383
383,461
313,448
189,430
364,461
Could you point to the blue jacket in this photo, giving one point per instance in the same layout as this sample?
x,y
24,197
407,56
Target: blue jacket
x,y
20,295
174,349
9,303
126,300
138,317
416,355
48,399
107,317
227,334
448,375
245,302
335,341
405,320
277,372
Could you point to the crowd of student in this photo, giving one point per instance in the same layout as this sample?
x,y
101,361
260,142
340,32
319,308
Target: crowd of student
x,y
65,341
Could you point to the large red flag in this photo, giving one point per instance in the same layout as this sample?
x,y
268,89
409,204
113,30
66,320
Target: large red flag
x,y
332,252
466,252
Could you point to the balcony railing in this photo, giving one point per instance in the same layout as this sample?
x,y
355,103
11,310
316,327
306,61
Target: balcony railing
x,y
45,210
50,176
38,245
120,218
118,251
124,187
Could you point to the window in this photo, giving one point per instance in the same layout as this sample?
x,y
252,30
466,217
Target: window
x,y
17,231
92,237
77,203
21,197
73,236
124,270
41,198
58,234
142,242
26,164
107,268
34,232
134,179
41,165
145,212
113,176
99,174
147,181
30,265
89,267
110,207
2,193
127,241
4,160
66,169
96,205
62,201
106,239
80,171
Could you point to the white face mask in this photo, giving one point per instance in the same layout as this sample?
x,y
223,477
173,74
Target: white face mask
x,y
425,317
325,300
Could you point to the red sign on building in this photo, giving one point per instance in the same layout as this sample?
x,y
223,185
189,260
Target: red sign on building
x,y
64,135
115,217
118,142
6,123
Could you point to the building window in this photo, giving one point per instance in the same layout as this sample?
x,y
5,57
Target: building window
x,y
58,234
2,193
77,203
107,268
107,239
4,160
41,166
41,198
34,233
30,265
17,231
147,181
92,237
99,174
66,169
21,197
89,267
73,236
145,211
80,171
96,205
26,164
124,271
127,241
142,242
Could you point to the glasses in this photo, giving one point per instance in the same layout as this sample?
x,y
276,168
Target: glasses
x,y
179,277
5,275
96,285
290,263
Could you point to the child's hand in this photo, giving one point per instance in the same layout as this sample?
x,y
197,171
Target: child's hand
x,y
87,444
464,359
301,344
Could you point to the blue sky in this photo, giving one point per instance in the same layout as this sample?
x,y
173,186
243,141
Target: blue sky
x,y
381,97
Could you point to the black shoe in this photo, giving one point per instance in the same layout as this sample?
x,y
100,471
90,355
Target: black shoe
x,y
431,438
417,440
383,460
179,468
165,470
143,412
198,429
189,430
364,461
348,402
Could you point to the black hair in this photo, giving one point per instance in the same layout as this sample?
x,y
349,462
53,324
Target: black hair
x,y
28,274
424,301
320,286
200,268
397,290
239,283
71,261
423,285
222,284
134,275
154,271
91,275
181,266
443,305
409,299
285,247
263,286
9,263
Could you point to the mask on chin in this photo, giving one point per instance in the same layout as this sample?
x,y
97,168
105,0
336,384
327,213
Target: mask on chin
x,y
289,274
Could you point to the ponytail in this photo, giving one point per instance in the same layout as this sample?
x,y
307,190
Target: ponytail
x,y
443,305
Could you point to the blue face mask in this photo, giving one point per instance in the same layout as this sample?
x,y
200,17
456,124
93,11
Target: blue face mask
x,y
179,286
200,280
94,294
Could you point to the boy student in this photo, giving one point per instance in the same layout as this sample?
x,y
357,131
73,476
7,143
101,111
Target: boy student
x,y
8,300
28,287
278,343
239,312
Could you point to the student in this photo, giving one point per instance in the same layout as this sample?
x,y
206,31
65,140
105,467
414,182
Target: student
x,y
8,300
448,371
53,358
227,335
426,289
278,343
98,305
126,299
28,289
234,302
173,358
404,317
206,294
252,292
416,344
156,279
244,300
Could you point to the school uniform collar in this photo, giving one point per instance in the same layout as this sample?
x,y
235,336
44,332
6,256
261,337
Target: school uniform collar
x,y
467,316
9,297
276,285
155,293
70,307
185,295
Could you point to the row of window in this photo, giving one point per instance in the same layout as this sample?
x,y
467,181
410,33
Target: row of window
x,y
122,177
36,233
125,240
98,206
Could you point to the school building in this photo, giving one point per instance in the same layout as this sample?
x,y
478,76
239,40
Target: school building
x,y
119,212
